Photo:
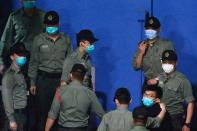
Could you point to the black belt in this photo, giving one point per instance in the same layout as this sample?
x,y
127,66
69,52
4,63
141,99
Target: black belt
x,y
23,110
79,128
49,75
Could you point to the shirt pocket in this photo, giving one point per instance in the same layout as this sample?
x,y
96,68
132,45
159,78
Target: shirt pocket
x,y
157,53
44,48
146,63
173,86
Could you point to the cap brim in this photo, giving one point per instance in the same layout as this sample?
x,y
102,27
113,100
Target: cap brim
x,y
22,53
93,40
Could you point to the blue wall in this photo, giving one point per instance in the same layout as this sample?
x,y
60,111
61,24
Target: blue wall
x,y
115,23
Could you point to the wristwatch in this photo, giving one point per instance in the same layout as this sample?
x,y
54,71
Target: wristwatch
x,y
187,124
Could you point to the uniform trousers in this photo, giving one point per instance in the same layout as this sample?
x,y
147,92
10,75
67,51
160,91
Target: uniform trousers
x,y
46,87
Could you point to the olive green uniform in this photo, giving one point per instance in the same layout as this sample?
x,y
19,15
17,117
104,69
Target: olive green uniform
x,y
176,91
45,69
139,128
151,63
122,120
48,55
73,103
77,58
14,95
21,27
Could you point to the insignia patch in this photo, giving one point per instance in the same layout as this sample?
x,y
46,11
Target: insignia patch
x,y
50,17
45,46
151,21
167,54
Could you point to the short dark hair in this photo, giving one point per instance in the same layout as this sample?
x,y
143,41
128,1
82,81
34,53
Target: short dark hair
x,y
86,34
122,95
78,72
154,88
140,114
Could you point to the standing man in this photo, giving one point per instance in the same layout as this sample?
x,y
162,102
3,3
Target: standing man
x,y
14,92
73,103
47,56
22,26
85,40
177,91
147,57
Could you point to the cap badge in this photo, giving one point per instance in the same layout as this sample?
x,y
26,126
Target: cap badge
x,y
50,17
151,21
167,54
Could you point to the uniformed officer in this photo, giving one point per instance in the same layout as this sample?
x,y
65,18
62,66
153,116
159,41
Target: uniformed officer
x,y
48,53
121,119
14,92
147,57
22,26
73,103
85,40
140,117
177,90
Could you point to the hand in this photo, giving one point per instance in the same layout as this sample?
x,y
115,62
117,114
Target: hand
x,y
62,83
185,128
13,126
152,82
33,90
142,48
162,106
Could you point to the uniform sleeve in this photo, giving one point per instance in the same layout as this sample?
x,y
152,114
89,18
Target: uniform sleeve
x,y
153,122
133,61
88,76
103,124
6,39
34,61
68,64
7,93
55,108
7,36
70,48
187,91
95,105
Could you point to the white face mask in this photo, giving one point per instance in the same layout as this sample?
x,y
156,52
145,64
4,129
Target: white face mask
x,y
168,68
150,34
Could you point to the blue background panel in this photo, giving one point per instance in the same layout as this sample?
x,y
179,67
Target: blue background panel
x,y
115,23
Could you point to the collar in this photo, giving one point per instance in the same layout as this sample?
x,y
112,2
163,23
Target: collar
x,y
172,75
75,82
48,38
15,68
82,56
155,41
122,108
35,12
140,127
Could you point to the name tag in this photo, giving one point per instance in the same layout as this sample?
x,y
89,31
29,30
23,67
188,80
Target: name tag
x,y
45,46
